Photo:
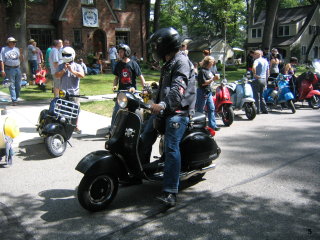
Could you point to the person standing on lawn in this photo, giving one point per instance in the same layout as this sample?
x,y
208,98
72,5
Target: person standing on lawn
x,y
10,59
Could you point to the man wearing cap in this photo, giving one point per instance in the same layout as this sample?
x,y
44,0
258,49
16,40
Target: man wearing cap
x,y
10,58
32,57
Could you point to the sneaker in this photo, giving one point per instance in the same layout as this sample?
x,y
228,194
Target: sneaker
x,y
169,199
14,103
216,128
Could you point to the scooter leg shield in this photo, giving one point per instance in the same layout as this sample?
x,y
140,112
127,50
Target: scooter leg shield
x,y
99,162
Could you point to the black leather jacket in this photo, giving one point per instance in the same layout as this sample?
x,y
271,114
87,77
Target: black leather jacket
x,y
177,86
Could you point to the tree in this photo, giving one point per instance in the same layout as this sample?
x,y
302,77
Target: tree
x,y
156,19
271,13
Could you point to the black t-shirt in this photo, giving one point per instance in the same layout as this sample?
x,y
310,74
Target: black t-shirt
x,y
204,74
127,74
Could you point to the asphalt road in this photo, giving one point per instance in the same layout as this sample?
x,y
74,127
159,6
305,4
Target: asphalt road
x,y
266,186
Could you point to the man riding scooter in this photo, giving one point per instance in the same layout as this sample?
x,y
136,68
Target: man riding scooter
x,y
175,102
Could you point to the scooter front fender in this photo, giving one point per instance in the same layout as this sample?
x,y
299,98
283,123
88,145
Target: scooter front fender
x,y
247,100
53,128
100,162
288,96
312,93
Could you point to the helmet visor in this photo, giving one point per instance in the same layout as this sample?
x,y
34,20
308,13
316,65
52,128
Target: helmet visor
x,y
154,52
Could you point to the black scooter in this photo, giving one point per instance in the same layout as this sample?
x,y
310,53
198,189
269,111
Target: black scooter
x,y
57,124
103,170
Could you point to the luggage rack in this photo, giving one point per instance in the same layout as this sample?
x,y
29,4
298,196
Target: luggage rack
x,y
66,109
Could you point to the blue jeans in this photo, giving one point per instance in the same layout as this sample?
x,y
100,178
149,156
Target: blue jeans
x,y
14,76
113,64
258,86
176,126
33,65
203,99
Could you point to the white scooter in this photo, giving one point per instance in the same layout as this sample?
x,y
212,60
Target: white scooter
x,y
242,97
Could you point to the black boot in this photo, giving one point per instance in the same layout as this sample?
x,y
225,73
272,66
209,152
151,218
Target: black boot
x,y
169,199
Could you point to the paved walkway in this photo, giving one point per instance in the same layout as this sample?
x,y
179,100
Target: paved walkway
x,y
26,114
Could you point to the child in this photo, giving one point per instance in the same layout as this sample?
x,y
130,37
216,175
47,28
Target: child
x,y
41,77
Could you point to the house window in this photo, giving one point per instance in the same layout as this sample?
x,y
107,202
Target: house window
x,y
87,2
256,33
43,37
283,31
77,36
119,4
303,50
315,52
122,37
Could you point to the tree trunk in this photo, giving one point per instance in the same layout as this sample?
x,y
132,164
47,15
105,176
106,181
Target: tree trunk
x,y
147,17
17,27
156,19
271,13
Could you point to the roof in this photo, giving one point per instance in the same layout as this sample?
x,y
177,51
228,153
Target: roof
x,y
287,15
200,45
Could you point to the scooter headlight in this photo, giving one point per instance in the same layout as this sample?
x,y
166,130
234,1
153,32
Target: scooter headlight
x,y
122,100
274,93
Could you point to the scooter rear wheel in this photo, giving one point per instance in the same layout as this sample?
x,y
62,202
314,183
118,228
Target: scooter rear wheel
x,y
96,192
227,115
56,145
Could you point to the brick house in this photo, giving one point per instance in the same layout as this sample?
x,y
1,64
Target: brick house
x,y
296,32
89,25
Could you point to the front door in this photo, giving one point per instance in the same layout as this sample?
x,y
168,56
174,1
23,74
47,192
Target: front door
x,y
99,43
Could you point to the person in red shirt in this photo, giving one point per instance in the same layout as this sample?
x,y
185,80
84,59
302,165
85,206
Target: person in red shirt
x,y
41,77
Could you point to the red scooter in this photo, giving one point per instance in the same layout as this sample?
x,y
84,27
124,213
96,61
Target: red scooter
x,y
223,103
305,86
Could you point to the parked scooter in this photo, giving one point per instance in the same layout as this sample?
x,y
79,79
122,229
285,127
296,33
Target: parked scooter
x,y
103,170
242,97
57,124
223,103
278,92
306,86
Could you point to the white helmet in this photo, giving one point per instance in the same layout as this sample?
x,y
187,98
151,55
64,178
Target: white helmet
x,y
68,54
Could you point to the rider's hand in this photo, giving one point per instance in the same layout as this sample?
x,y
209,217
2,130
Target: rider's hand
x,y
156,108
132,90
114,88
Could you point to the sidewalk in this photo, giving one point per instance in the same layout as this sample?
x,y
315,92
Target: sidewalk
x,y
26,114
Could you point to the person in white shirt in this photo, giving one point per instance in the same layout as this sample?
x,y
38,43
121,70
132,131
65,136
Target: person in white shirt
x,y
55,60
113,56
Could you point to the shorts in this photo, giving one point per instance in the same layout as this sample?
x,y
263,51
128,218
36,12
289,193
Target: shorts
x,y
56,82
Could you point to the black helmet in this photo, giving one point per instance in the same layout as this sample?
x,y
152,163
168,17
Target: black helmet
x,y
126,48
163,42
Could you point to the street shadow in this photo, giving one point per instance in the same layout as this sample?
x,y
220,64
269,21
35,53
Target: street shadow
x,y
34,152
198,215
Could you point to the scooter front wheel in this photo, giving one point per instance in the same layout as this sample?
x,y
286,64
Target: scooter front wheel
x,y
291,106
96,192
250,110
56,145
313,102
227,115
